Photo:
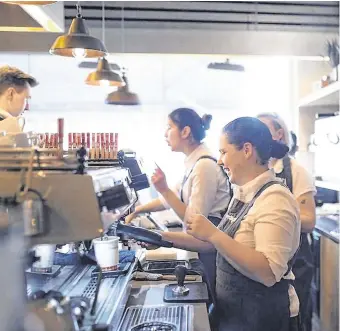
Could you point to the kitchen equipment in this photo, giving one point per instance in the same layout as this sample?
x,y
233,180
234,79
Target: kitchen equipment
x,y
164,267
188,292
168,318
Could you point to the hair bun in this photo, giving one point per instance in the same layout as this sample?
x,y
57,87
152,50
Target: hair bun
x,y
206,120
278,150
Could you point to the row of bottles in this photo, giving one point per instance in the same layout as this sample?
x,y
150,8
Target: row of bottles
x,y
48,140
98,145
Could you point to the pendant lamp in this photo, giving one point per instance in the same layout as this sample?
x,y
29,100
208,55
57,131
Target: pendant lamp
x,y
78,42
123,96
33,3
227,65
104,76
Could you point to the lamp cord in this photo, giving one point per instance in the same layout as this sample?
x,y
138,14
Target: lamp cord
x,y
122,29
103,22
78,9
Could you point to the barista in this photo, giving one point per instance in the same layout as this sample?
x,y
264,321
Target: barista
x,y
301,184
257,238
204,187
15,90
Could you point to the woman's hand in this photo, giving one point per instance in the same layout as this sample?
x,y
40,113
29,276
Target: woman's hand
x,y
128,219
200,227
158,180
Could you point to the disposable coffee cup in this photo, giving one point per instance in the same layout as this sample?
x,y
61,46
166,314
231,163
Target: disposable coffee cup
x,y
45,253
107,252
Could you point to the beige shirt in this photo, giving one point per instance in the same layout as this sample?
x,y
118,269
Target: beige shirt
x,y
271,227
302,180
205,190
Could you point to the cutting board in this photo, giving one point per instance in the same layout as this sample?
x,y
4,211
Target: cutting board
x,y
161,253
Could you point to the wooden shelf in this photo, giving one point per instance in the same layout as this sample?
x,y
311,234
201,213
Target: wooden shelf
x,y
327,96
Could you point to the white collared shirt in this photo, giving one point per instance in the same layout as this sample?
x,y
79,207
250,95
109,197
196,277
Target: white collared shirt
x,y
205,190
272,227
4,113
302,180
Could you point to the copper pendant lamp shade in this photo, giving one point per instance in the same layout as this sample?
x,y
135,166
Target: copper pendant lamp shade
x,y
123,96
78,42
33,3
104,76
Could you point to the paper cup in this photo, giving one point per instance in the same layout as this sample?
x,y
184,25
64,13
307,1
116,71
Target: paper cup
x,y
107,253
46,255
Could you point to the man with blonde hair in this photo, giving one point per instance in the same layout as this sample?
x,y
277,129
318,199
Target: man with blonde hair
x,y
15,90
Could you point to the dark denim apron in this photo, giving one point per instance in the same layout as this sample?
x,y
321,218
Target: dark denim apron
x,y
304,263
244,304
208,259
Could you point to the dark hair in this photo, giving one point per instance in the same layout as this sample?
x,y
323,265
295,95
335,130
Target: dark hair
x,y
294,147
13,77
183,117
252,130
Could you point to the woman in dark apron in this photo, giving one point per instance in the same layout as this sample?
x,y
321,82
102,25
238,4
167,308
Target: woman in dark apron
x,y
257,238
204,187
300,183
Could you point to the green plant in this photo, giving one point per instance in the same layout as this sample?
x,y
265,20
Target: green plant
x,y
333,54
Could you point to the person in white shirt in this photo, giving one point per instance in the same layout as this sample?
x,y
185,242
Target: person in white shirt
x,y
256,240
204,187
15,90
301,184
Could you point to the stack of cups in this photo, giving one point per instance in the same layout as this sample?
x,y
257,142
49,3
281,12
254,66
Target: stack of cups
x,y
107,252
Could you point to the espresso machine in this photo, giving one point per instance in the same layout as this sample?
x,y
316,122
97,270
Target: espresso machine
x,y
47,198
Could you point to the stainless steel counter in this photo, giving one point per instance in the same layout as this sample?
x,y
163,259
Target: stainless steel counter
x,y
150,293
328,227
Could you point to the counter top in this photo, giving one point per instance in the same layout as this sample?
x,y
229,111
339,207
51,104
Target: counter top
x,y
150,293
325,225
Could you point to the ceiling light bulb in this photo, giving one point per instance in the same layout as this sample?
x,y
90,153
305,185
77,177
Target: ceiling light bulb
x,y
79,53
104,83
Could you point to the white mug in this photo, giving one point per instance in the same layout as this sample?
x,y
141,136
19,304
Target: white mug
x,y
107,252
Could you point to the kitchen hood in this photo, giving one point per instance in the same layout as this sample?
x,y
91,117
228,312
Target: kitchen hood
x,y
32,18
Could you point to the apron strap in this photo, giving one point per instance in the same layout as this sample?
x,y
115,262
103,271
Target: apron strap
x,y
286,173
230,224
191,170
